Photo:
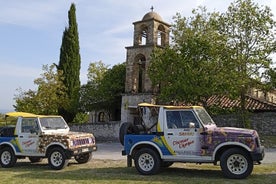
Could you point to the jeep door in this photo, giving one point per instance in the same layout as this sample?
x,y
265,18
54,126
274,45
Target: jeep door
x,y
182,133
28,136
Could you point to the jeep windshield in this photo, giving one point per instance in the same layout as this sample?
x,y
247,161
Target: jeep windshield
x,y
204,116
52,123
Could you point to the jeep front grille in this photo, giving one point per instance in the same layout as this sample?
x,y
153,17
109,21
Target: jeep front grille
x,y
79,142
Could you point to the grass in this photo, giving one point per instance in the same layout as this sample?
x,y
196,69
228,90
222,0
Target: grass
x,y
116,172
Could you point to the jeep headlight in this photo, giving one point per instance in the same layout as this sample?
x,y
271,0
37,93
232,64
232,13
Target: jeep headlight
x,y
90,140
71,143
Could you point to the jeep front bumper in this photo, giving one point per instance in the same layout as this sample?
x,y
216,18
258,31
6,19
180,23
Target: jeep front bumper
x,y
79,151
258,155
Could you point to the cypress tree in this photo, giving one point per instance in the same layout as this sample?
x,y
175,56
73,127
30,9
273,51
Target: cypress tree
x,y
69,64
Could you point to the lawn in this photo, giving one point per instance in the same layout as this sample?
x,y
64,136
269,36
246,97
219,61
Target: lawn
x,y
116,172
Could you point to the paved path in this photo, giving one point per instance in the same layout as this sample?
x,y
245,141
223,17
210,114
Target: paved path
x,y
113,151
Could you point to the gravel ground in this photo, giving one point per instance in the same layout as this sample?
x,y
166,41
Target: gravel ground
x,y
113,151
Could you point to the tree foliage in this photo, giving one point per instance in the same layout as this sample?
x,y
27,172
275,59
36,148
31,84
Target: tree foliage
x,y
194,67
271,79
251,37
69,64
216,54
96,71
104,89
49,95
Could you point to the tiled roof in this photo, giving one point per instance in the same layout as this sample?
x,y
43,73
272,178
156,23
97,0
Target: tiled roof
x,y
252,103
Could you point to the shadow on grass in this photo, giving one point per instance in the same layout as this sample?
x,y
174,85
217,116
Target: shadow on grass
x,y
120,174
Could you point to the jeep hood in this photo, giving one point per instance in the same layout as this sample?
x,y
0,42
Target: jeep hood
x,y
68,135
231,132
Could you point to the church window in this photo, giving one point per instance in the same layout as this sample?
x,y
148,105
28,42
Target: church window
x,y
141,76
143,35
161,36
101,117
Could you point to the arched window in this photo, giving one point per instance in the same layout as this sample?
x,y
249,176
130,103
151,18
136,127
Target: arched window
x,y
161,35
101,117
139,73
143,34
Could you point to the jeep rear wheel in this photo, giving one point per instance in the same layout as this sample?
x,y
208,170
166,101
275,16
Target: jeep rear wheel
x,y
57,159
236,163
83,158
147,161
7,157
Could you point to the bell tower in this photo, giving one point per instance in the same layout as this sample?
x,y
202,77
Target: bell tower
x,y
149,33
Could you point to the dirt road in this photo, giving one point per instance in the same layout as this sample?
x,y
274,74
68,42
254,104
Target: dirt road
x,y
113,151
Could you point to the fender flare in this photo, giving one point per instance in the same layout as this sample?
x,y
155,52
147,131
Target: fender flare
x,y
53,144
148,143
238,144
10,145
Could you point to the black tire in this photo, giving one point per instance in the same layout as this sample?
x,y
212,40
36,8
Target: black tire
x,y
125,128
83,158
147,161
7,157
57,159
35,159
235,163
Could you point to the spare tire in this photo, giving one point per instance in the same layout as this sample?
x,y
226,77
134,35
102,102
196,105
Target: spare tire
x,y
126,128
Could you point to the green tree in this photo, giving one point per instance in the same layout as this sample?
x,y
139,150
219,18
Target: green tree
x,y
194,67
104,88
250,29
69,64
25,101
96,71
112,86
90,96
48,96
271,79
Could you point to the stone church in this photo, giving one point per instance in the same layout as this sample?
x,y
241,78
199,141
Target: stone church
x,y
149,33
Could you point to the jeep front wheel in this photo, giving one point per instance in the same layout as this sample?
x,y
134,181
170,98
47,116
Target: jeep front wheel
x,y
7,157
83,158
236,163
147,161
57,159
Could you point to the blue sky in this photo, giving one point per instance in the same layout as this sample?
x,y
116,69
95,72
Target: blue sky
x,y
31,32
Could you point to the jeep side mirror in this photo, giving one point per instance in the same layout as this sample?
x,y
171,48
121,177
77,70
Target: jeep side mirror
x,y
191,125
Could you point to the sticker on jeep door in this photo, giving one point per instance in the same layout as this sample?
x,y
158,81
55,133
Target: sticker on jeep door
x,y
182,144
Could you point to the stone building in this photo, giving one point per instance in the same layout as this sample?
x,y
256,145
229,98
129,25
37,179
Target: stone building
x,y
149,33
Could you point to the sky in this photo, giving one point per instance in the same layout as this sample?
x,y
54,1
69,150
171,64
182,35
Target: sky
x,y
31,33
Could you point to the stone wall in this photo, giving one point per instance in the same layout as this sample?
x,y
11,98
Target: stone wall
x,y
264,123
102,131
